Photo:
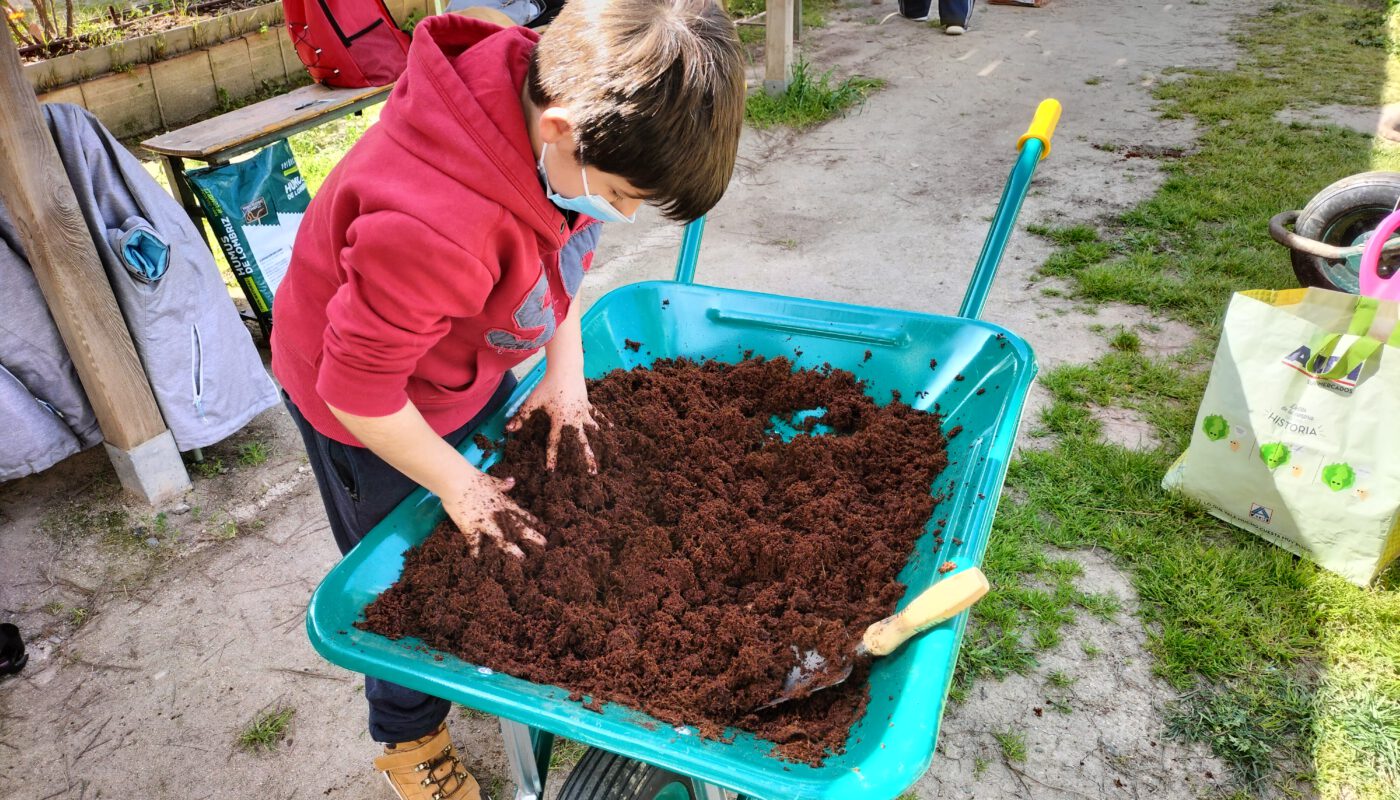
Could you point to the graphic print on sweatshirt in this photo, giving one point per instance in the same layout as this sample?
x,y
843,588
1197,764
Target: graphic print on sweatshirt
x,y
532,313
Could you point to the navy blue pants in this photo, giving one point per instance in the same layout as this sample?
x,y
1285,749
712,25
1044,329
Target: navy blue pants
x,y
358,490
950,12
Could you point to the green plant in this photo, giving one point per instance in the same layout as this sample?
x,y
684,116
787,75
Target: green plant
x,y
1061,679
1126,341
209,467
1013,745
979,766
227,530
252,454
267,729
809,99
47,23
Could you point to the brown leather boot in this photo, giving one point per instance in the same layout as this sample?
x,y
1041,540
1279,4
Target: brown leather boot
x,y
427,769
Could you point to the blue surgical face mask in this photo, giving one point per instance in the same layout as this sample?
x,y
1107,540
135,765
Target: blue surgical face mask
x,y
594,205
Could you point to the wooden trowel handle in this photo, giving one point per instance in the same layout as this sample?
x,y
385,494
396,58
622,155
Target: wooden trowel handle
x,y
943,600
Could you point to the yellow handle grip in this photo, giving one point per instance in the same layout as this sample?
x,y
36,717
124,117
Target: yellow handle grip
x,y
943,600
1047,116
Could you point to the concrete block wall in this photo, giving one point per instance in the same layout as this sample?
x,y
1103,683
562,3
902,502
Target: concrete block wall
x,y
162,81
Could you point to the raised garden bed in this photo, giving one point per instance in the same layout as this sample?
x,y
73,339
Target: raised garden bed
x,y
47,31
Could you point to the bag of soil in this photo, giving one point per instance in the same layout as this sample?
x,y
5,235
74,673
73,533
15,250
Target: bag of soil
x,y
255,207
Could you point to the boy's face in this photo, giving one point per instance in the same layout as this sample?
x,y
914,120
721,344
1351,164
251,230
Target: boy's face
x,y
566,178
565,173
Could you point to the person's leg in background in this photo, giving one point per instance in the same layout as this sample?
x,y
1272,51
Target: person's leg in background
x,y
358,489
955,15
916,10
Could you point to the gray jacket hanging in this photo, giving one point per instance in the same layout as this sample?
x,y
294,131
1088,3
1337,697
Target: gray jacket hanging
x,y
32,354
207,376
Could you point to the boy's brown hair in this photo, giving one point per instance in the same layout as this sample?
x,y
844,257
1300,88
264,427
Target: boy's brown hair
x,y
655,90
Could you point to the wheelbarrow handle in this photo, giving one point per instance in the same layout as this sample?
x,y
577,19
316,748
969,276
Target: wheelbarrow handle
x,y
690,250
1034,145
1047,116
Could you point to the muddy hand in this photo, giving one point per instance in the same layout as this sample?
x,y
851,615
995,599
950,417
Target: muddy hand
x,y
480,510
566,403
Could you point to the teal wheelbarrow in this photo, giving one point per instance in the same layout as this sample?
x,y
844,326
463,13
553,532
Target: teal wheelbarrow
x,y
977,374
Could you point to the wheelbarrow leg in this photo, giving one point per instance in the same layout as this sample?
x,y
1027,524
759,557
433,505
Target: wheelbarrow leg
x,y
707,791
528,751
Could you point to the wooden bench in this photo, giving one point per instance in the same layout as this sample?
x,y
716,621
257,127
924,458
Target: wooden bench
x,y
220,139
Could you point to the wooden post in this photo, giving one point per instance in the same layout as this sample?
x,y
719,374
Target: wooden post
x,y
35,190
777,51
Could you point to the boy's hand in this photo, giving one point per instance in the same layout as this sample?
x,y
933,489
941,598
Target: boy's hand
x,y
565,399
481,506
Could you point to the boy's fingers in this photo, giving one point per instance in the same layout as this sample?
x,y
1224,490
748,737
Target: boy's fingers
x,y
533,536
512,550
588,453
528,521
552,452
473,542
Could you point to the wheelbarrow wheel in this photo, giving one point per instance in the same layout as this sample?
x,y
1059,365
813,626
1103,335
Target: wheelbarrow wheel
x,y
1343,214
600,774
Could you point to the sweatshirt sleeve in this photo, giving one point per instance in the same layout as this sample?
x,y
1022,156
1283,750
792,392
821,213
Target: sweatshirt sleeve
x,y
403,284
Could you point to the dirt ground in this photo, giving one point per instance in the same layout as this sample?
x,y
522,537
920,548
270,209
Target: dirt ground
x,y
157,639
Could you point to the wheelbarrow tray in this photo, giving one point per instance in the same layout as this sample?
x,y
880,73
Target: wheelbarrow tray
x,y
983,374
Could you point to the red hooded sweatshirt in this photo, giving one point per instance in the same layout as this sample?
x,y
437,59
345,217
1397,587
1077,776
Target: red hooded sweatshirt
x,y
429,263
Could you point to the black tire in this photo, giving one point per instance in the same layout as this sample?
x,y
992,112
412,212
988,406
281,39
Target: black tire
x,y
1340,215
601,775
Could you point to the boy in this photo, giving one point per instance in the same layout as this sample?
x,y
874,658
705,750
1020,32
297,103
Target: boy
x,y
447,247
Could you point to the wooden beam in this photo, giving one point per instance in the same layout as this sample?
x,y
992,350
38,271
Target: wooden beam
x,y
36,191
777,51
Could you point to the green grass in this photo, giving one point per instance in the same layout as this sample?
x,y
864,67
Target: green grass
x,y
566,754
252,454
75,521
1286,671
318,150
1013,745
813,13
267,729
210,467
810,99
1203,235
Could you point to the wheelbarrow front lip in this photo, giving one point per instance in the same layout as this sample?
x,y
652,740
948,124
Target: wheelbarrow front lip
x,y
739,766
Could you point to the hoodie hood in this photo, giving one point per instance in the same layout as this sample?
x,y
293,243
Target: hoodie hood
x,y
449,102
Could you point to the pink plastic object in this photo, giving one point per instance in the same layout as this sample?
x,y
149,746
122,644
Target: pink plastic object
x,y
1372,284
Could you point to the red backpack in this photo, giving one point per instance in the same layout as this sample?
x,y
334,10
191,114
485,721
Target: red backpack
x,y
347,43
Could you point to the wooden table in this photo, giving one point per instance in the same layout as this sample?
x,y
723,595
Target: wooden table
x,y
220,139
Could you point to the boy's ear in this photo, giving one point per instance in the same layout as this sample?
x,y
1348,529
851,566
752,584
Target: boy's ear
x,y
556,129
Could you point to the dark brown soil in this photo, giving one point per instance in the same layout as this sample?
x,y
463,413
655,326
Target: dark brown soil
x,y
683,577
